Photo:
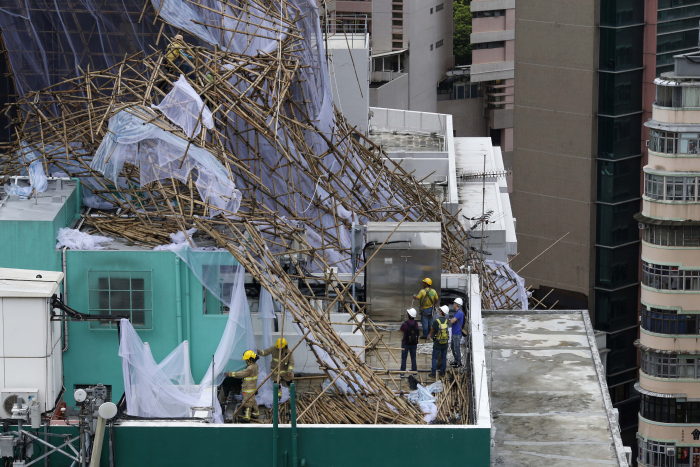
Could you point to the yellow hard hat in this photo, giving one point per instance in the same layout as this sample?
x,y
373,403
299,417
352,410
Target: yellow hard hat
x,y
281,343
249,354
428,281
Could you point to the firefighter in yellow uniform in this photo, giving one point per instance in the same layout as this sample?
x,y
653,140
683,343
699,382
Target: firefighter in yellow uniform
x,y
250,383
280,351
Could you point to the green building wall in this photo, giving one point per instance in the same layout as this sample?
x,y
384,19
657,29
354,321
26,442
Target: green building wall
x,y
92,355
318,446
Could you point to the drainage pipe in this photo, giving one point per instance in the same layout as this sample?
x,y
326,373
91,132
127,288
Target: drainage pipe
x,y
293,403
178,300
275,427
65,300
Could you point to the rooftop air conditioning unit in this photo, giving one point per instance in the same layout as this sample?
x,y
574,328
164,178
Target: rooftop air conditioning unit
x,y
9,397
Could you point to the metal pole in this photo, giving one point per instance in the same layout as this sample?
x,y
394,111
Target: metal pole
x,y
293,407
275,428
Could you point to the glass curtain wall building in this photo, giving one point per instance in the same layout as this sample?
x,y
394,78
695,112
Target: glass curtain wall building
x,y
618,164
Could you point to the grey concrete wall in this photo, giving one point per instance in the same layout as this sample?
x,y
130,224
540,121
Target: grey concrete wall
x,y
393,95
421,29
426,67
381,26
556,58
349,95
467,116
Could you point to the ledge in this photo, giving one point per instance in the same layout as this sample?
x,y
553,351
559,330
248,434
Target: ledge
x,y
641,390
639,217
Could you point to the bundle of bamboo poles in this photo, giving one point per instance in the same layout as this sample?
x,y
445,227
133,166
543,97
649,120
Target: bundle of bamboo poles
x,y
294,178
453,401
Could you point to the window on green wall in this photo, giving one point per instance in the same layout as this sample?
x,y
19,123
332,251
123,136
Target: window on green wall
x,y
127,293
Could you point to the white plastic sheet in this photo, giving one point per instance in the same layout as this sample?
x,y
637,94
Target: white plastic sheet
x,y
178,241
504,282
166,390
183,106
37,176
76,240
160,391
159,155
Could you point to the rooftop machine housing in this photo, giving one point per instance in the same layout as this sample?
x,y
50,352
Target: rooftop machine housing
x,y
396,272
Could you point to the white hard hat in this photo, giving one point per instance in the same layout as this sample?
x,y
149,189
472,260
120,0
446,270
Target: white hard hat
x,y
445,309
458,301
411,312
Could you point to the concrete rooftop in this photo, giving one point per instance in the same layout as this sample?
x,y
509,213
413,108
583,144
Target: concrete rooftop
x,y
549,399
44,207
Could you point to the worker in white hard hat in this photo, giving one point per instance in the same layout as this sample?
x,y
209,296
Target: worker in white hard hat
x,y
409,343
280,353
457,322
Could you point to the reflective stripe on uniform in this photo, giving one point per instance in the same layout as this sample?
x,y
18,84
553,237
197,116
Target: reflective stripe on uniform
x,y
290,368
250,378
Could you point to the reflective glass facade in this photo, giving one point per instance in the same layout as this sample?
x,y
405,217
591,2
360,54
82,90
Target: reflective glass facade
x,y
677,31
618,169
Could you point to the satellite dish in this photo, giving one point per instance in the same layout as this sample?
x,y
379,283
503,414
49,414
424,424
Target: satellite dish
x,y
80,395
107,410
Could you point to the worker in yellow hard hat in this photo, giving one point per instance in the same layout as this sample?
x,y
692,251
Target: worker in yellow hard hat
x,y
282,363
428,298
250,384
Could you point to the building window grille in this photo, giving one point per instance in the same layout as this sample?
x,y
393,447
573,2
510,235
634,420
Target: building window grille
x,y
439,7
680,188
488,45
126,293
439,43
489,13
655,453
668,321
669,366
664,277
654,186
685,236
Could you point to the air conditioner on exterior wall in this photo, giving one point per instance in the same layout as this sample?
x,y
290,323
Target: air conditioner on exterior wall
x,y
642,225
9,397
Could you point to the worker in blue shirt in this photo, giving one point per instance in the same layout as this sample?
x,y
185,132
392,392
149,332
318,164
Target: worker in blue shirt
x,y
457,322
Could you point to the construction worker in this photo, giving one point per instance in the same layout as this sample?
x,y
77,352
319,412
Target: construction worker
x,y
428,298
441,339
176,54
457,323
250,384
409,342
279,352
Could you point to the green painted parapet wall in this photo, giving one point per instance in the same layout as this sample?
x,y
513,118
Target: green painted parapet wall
x,y
320,446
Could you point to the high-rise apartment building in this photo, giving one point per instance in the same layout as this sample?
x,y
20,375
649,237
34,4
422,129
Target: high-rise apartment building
x,y
493,55
669,377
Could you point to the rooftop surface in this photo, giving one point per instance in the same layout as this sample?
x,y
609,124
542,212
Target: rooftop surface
x,y
44,207
549,404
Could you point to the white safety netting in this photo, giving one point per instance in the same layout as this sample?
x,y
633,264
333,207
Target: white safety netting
x,y
38,182
162,155
166,389
505,278
183,106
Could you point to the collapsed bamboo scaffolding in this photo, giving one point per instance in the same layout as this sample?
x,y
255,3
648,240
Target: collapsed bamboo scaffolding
x,y
267,136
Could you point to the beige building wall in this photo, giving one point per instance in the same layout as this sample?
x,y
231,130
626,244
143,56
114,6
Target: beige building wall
x,y
556,61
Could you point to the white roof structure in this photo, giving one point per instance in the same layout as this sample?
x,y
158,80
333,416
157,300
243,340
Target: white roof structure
x,y
474,156
28,283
